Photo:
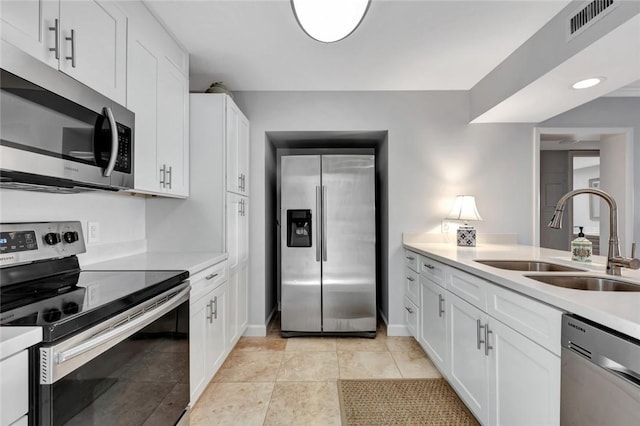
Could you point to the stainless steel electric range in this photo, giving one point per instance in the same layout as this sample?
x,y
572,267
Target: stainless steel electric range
x,y
115,344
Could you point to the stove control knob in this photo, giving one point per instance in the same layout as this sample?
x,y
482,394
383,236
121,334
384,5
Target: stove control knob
x,y
52,238
51,315
70,237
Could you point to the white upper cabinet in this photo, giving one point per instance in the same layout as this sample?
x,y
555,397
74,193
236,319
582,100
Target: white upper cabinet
x,y
86,39
157,92
237,150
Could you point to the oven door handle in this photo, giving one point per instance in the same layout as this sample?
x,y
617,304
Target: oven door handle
x,y
126,329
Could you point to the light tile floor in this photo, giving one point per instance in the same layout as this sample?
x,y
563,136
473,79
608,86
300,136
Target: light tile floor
x,y
275,381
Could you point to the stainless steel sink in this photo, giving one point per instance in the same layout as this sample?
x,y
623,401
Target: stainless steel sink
x,y
579,282
528,265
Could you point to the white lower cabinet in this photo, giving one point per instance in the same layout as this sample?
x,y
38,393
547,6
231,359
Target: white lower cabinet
x,y
208,327
411,315
525,380
14,388
433,322
469,366
498,349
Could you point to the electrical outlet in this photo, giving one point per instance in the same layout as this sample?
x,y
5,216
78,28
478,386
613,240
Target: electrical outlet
x,y
444,226
93,232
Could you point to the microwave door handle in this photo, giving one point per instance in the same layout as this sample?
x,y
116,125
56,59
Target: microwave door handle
x,y
114,143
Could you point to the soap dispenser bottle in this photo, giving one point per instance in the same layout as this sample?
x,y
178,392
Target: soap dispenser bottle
x,y
581,248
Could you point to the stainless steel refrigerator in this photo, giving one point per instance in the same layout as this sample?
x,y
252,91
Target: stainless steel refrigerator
x,y
328,244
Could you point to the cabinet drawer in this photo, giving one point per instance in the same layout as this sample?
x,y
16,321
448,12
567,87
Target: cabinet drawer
x,y
539,322
469,288
411,260
411,286
411,316
433,270
208,279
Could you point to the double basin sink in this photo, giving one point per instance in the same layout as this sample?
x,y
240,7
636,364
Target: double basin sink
x,y
577,282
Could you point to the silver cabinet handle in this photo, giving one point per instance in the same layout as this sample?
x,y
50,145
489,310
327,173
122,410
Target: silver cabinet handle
x,y
56,32
410,279
114,142
242,187
240,181
487,345
72,39
210,276
324,223
410,258
210,307
409,309
215,303
163,179
169,172
240,208
318,241
479,333
426,265
440,305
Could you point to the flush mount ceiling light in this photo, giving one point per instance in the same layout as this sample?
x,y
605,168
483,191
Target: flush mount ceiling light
x,y
329,20
589,82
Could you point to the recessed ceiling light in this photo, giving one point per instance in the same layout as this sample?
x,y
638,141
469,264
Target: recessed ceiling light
x,y
589,82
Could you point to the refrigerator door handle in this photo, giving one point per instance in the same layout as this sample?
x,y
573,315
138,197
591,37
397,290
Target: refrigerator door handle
x,y
318,210
324,223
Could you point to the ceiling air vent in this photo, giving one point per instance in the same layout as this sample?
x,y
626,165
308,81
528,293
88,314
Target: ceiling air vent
x,y
586,16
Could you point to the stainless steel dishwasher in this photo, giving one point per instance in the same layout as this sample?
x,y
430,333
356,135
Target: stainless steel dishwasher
x,y
600,375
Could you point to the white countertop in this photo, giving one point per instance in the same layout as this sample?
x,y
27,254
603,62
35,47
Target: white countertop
x,y
193,262
617,310
16,339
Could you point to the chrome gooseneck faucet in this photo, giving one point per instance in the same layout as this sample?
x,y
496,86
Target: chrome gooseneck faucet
x,y
614,260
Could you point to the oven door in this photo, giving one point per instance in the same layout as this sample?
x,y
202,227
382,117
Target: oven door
x,y
133,371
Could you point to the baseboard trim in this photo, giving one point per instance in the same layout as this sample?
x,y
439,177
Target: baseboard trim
x,y
397,330
256,330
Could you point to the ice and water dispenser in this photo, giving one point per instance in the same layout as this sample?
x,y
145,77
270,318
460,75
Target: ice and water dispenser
x,y
298,228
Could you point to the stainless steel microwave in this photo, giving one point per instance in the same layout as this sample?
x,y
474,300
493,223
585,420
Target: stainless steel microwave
x,y
58,134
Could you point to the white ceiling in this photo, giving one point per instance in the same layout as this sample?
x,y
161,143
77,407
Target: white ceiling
x,y
400,45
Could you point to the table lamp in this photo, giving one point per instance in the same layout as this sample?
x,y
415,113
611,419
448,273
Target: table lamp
x,y
464,209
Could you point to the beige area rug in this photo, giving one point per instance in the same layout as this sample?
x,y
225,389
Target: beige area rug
x,y
401,402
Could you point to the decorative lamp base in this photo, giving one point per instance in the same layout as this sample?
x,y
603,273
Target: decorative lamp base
x,y
466,236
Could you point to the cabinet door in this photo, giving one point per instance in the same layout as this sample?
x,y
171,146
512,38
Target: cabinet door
x,y
525,380
217,330
198,335
243,301
142,99
234,228
433,322
243,152
469,366
172,128
232,313
233,171
26,24
243,231
98,47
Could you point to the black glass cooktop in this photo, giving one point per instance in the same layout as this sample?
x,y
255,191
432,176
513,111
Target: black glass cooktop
x,y
71,301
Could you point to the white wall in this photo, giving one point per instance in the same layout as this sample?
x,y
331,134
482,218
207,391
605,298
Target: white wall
x,y
121,217
433,154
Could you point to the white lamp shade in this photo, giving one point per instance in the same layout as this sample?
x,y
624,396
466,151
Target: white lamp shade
x,y
464,208
329,20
